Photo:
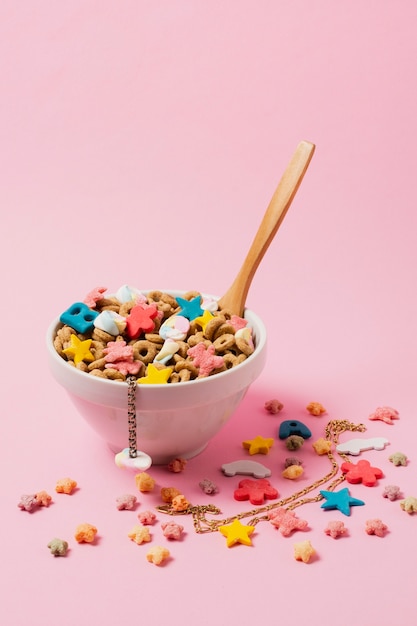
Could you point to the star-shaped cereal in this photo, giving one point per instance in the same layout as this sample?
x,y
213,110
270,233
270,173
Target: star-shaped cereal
x,y
43,498
258,445
79,350
94,296
303,551
191,309
65,485
375,527
28,502
139,534
385,414
362,472
155,376
204,319
315,408
322,446
85,533
409,505
205,359
157,555
335,529
236,532
286,521
58,547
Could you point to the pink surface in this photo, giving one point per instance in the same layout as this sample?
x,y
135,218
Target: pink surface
x,y
140,144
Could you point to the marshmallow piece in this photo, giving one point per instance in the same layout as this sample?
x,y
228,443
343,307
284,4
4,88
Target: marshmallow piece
x,y
175,327
110,322
126,293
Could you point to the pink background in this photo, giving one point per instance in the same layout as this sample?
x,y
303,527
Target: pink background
x,y
140,144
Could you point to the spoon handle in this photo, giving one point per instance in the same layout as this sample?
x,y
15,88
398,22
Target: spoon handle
x,y
235,298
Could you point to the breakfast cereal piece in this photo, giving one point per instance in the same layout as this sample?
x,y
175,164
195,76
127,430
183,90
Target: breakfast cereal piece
x,y
375,527
28,502
94,296
139,534
294,442
392,492
58,547
147,518
258,445
208,486
169,493
155,376
205,359
293,472
273,406
303,551
43,498
180,503
157,555
79,350
292,460
85,533
398,458
286,521
65,485
335,529
409,505
256,491
322,446
144,482
126,501
385,414
177,465
171,530
315,408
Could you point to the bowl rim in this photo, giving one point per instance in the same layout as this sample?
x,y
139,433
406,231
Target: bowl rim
x,y
253,318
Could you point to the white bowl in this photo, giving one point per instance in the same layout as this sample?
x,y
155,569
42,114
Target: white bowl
x,y
173,420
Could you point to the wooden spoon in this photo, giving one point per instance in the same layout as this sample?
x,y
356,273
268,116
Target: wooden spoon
x,y
235,298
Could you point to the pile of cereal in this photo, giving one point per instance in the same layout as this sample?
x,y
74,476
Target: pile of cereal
x,y
156,337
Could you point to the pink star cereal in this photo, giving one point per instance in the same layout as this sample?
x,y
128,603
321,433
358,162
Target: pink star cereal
x,y
126,502
147,518
375,527
335,529
286,521
171,530
385,414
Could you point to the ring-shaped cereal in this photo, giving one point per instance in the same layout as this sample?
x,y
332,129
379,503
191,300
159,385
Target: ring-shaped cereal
x,y
225,328
231,360
224,342
145,351
244,346
187,365
212,326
